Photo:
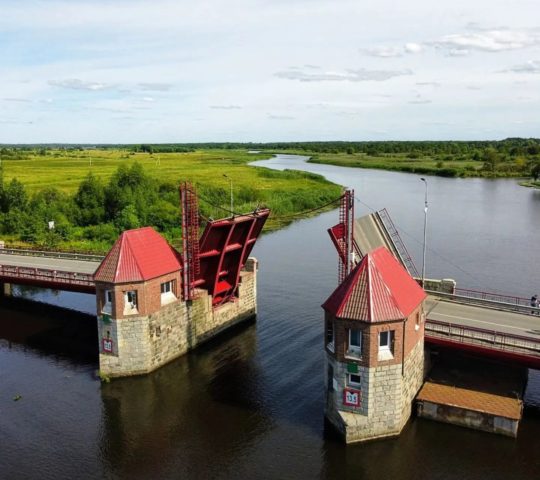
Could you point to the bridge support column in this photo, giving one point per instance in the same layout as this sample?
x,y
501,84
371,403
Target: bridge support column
x,y
5,289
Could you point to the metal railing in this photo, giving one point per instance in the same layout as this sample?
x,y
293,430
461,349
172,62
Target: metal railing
x,y
395,238
46,276
489,339
51,254
493,297
490,300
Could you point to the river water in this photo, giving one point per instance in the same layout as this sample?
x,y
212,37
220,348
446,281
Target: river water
x,y
250,405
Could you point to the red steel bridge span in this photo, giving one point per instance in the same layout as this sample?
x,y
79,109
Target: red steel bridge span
x,y
490,324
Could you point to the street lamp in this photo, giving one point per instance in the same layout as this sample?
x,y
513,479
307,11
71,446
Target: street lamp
x,y
425,231
230,181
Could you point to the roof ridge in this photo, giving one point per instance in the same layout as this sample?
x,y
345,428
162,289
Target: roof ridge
x,y
136,260
370,263
389,291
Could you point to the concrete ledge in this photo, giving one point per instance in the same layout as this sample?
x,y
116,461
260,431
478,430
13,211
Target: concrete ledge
x,y
469,408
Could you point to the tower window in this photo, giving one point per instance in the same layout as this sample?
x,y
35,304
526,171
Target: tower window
x,y
130,302
167,292
353,379
330,378
355,342
330,335
107,305
386,345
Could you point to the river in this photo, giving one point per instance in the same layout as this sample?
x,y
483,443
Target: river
x,y
250,405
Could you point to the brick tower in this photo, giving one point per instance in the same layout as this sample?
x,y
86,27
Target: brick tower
x,y
374,343
138,286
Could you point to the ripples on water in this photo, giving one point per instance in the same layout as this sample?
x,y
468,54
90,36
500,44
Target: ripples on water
x,y
249,405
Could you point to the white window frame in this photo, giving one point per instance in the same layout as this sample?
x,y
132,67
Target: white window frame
x,y
331,345
354,350
107,305
385,350
167,292
353,383
131,307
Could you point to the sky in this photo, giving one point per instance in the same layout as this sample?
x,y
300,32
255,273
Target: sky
x,y
156,71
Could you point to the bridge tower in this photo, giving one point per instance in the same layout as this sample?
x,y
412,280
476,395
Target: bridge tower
x,y
374,344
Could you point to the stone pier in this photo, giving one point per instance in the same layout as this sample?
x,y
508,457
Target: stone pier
x,y
143,321
374,349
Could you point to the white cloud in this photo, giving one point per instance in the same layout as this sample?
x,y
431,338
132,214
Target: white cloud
x,y
77,84
383,52
148,99
225,107
532,66
457,52
279,117
428,84
489,40
360,75
156,87
413,47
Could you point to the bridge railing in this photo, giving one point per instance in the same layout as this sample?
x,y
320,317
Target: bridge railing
x,y
46,276
491,339
491,300
50,254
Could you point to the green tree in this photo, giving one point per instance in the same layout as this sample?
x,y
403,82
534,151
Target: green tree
x,y
90,200
535,171
127,219
491,158
14,196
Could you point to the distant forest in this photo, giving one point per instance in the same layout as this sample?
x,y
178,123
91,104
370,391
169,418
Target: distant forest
x,y
512,157
509,146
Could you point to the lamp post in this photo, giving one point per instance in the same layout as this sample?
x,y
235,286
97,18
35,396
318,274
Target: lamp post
x,y
232,204
425,231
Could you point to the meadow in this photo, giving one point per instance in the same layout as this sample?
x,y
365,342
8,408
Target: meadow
x,y
146,194
441,165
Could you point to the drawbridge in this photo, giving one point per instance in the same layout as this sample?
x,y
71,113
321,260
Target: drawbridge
x,y
491,324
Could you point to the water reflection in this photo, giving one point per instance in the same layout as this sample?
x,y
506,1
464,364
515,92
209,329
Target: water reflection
x,y
210,404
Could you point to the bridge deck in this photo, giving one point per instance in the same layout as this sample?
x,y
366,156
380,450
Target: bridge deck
x,y
50,263
483,318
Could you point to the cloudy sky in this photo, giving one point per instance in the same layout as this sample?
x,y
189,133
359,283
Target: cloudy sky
x,y
130,71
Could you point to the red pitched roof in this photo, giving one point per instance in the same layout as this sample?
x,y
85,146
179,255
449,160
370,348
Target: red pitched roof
x,y
138,255
377,290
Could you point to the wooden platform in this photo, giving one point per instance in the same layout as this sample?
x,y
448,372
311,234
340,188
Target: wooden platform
x,y
497,405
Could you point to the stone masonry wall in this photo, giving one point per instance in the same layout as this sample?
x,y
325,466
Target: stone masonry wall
x,y
144,343
386,397
414,374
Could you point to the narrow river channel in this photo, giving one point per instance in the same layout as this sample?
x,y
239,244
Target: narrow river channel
x,y
250,405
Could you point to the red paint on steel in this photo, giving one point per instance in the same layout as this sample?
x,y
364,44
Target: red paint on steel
x,y
55,279
530,361
378,289
224,248
190,238
138,255
342,234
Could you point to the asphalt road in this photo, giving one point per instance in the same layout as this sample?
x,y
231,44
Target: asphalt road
x,y
59,264
480,317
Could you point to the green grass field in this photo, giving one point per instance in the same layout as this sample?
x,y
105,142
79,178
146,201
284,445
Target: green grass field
x,y
286,193
402,163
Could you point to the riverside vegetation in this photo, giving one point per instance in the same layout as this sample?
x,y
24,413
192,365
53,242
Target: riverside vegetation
x,y
94,194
